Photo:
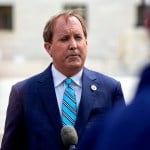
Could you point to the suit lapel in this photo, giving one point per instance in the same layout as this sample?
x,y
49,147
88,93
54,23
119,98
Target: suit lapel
x,y
48,97
88,98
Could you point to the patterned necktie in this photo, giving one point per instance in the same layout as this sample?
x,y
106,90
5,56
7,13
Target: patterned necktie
x,y
69,108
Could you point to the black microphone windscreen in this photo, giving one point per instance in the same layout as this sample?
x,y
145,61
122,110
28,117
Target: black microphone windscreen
x,y
69,135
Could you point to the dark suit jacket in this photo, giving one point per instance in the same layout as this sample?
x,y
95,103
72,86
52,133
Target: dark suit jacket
x,y
33,121
129,128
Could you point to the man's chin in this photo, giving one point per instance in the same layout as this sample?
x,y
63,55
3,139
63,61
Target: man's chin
x,y
74,65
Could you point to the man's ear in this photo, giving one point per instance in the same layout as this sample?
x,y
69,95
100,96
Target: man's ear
x,y
47,47
86,42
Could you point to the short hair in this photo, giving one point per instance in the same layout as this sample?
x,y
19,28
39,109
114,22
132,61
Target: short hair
x,y
50,25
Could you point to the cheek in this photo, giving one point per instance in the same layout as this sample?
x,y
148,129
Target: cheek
x,y
54,50
57,54
60,50
84,48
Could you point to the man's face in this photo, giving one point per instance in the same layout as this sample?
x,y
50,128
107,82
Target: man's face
x,y
68,48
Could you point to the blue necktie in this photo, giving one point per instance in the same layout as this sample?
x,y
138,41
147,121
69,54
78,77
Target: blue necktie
x,y
69,108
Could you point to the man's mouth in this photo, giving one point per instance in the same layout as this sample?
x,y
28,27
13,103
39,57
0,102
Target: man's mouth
x,y
73,55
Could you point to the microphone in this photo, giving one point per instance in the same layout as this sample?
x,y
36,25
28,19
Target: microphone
x,y
69,137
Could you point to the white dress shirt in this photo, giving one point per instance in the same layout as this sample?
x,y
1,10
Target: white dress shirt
x,y
59,85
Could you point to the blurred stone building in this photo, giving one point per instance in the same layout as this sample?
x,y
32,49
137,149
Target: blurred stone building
x,y
116,45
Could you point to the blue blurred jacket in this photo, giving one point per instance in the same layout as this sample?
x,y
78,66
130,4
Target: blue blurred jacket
x,y
128,128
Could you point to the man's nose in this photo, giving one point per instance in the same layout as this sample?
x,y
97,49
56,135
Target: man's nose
x,y
72,44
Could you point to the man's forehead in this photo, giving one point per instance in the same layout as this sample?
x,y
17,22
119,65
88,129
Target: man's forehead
x,y
67,19
71,26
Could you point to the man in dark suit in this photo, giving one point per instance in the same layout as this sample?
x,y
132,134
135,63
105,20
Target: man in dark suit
x,y
33,120
129,128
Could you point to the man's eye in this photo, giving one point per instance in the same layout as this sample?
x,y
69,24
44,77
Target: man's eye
x,y
64,39
78,37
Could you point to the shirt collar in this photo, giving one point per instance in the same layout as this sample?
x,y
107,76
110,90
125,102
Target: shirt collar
x,y
77,78
59,77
